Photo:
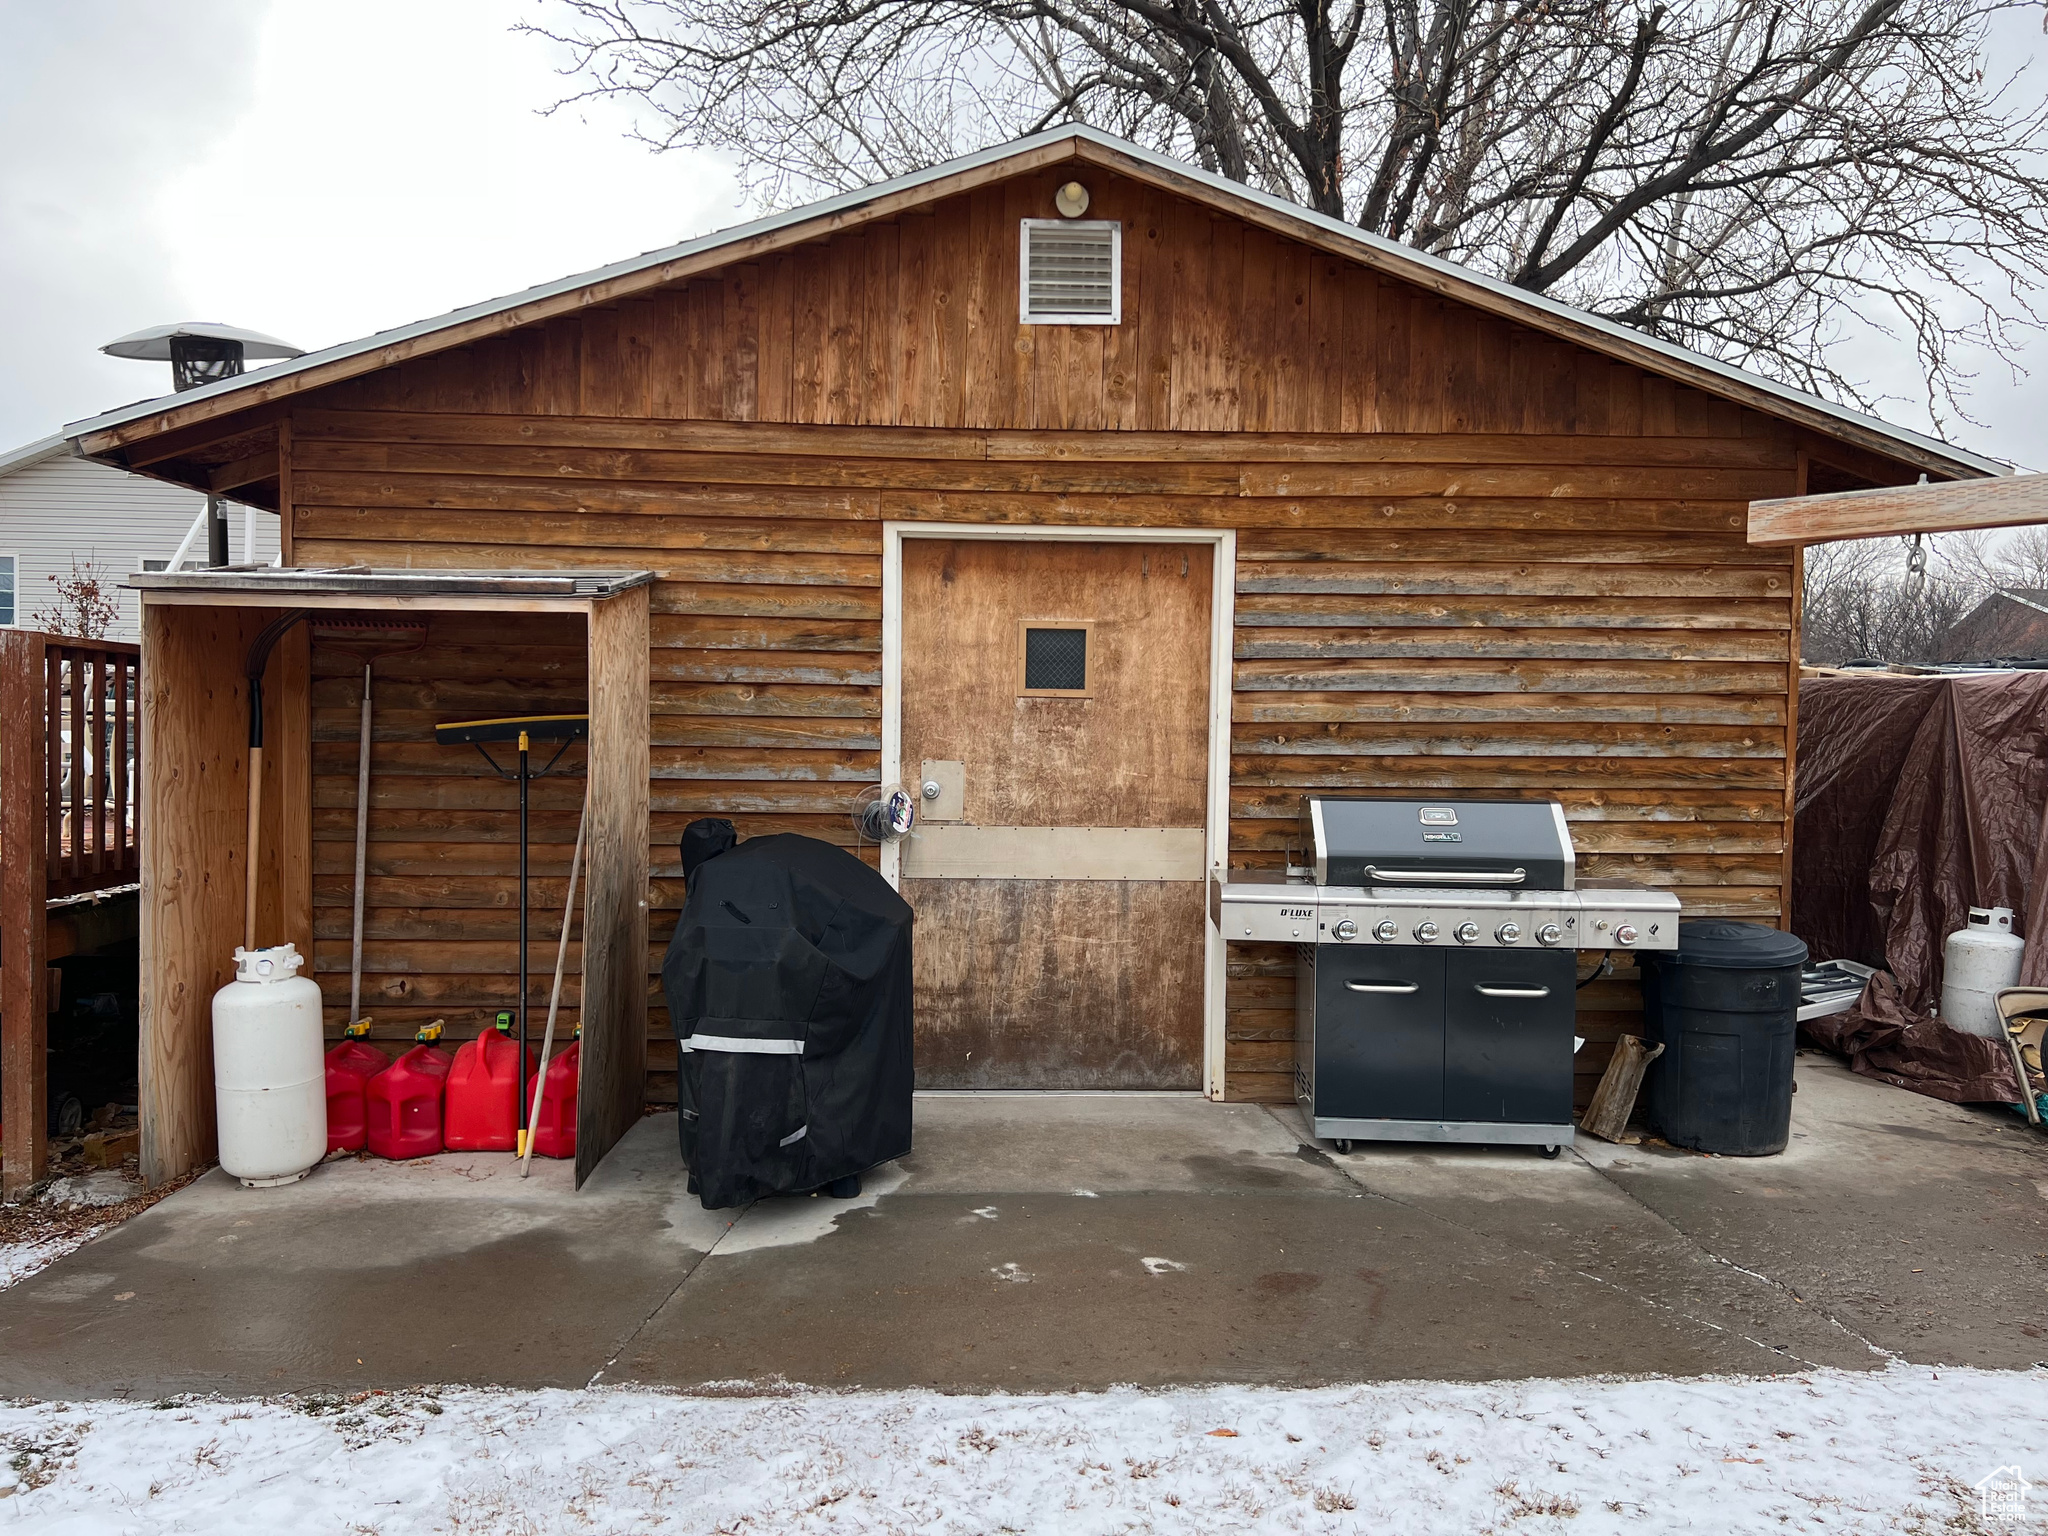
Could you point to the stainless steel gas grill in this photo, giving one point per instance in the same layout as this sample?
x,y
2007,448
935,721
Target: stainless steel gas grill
x,y
1436,965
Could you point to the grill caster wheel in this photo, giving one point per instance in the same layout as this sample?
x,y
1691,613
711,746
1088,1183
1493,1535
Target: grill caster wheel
x,y
1343,1147
1551,1152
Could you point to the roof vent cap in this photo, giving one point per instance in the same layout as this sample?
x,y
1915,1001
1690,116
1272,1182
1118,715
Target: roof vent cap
x,y
199,351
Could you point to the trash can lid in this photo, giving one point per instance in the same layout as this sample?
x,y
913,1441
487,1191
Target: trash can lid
x,y
1716,942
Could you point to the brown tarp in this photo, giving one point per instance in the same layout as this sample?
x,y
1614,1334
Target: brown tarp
x,y
1918,798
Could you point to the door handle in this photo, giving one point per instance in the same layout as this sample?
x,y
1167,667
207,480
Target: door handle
x,y
1486,991
1397,988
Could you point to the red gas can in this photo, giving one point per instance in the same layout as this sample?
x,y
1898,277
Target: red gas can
x,y
350,1066
483,1094
404,1101
554,1129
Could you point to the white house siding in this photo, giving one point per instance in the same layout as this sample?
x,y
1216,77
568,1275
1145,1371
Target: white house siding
x,y
58,508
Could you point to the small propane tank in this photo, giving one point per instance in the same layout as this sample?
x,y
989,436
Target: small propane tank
x,y
269,1072
1978,963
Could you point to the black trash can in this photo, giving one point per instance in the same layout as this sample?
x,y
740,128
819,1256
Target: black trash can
x,y
1725,1007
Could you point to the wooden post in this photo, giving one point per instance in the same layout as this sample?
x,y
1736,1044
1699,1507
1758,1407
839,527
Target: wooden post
x,y
288,704
1796,639
24,895
614,1061
284,491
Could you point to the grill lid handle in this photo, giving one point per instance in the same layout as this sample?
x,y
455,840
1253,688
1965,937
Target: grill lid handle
x,y
1444,876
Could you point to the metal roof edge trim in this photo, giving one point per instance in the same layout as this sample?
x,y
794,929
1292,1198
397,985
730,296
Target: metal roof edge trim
x,y
286,581
2024,602
1390,252
32,453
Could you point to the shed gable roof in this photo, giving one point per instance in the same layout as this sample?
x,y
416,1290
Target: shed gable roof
x,y
108,433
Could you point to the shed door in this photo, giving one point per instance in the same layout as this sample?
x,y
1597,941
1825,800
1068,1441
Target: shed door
x,y
1057,693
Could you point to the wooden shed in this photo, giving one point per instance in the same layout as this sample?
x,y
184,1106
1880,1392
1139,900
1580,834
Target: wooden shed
x,y
1123,530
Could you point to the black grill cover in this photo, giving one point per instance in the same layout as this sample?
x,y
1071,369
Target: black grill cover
x,y
788,982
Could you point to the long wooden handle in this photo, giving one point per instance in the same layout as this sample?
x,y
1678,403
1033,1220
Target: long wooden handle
x,y
255,843
355,954
547,1039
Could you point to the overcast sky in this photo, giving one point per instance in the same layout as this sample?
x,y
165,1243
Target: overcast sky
x,y
321,171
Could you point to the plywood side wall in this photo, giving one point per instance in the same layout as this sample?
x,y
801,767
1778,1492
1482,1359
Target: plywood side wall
x,y
616,959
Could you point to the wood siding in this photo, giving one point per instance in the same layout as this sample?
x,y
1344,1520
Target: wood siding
x,y
1470,558
1226,328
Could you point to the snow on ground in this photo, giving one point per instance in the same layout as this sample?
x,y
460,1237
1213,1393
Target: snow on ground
x,y
1823,1451
19,1260
67,1214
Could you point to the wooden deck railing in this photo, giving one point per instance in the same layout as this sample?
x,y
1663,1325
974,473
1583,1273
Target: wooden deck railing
x,y
91,740
70,772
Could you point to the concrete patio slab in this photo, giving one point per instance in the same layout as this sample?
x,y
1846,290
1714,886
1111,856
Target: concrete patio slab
x,y
448,1269
1049,1242
1920,1225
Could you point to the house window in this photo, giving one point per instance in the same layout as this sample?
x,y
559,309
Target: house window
x,y
8,567
1072,272
1054,661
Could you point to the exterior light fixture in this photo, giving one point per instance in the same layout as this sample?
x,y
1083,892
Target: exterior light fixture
x,y
1071,200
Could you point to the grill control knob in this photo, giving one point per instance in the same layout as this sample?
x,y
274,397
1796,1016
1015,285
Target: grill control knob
x,y
1346,929
1386,932
1549,933
1626,933
1468,933
1507,933
1425,933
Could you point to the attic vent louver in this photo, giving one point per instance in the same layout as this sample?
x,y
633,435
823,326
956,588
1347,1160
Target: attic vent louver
x,y
1072,272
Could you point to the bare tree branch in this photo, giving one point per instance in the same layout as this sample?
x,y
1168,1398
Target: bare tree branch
x,y
1744,178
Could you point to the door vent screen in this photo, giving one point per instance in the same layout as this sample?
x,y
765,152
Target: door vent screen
x,y
1072,272
1055,660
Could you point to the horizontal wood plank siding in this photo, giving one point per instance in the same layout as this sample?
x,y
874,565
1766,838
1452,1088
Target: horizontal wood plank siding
x,y
1638,675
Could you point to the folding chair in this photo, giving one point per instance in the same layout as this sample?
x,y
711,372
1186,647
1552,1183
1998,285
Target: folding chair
x,y
2024,1012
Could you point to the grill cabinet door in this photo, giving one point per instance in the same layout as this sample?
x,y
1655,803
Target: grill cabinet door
x,y
1508,1037
1379,1034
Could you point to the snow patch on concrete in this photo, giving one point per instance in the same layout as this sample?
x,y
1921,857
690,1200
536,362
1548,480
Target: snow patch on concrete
x,y
789,1221
20,1260
108,1187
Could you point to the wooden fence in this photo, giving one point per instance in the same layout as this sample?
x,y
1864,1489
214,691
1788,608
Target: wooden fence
x,y
70,772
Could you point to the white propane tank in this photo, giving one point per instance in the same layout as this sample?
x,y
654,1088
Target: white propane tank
x,y
269,1070
1978,963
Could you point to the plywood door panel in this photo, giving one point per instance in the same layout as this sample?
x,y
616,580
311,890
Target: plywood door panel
x,y
1060,982
615,958
1132,756
1034,984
